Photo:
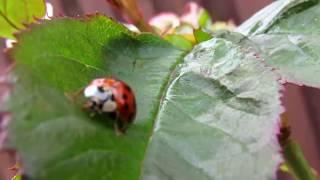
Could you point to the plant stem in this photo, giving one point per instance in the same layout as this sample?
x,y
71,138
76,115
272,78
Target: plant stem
x,y
296,161
131,9
292,153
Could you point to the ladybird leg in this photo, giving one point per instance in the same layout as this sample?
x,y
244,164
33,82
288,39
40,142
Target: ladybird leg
x,y
117,129
74,95
116,125
125,126
120,127
89,105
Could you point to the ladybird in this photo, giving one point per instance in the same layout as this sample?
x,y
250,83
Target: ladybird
x,y
114,97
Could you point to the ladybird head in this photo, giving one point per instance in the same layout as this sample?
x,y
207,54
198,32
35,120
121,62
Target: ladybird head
x,y
100,97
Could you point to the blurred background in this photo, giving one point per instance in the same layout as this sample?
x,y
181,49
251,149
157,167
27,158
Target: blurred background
x,y
301,102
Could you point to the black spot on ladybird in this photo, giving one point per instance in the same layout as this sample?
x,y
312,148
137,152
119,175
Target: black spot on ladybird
x,y
124,96
112,98
100,89
126,107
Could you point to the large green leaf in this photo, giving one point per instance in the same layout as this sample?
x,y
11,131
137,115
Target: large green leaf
x,y
219,112
58,140
290,41
15,13
212,113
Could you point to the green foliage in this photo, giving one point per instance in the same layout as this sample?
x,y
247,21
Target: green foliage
x,y
297,163
15,13
290,42
215,93
202,129
56,139
266,17
200,35
179,41
209,115
204,20
17,177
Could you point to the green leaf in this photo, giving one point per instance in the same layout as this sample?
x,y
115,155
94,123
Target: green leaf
x,y
295,57
217,114
15,13
267,16
56,139
289,42
213,112
179,41
204,19
17,177
200,35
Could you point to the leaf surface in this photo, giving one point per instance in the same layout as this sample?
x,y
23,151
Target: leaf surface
x,y
219,112
56,139
197,119
289,42
14,14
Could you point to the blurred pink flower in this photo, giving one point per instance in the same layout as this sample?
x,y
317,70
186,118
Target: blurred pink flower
x,y
193,17
191,14
165,21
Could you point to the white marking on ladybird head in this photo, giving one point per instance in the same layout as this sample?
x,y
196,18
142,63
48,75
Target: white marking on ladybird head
x,y
92,91
109,106
98,82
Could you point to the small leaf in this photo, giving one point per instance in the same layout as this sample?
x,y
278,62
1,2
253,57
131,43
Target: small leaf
x,y
17,177
284,167
200,35
179,41
15,13
7,28
204,19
